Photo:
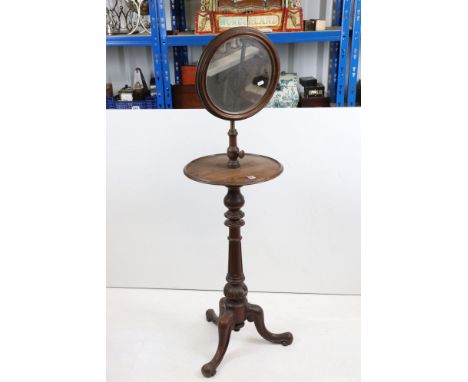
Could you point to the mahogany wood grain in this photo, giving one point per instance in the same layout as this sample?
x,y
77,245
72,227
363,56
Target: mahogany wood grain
x,y
212,169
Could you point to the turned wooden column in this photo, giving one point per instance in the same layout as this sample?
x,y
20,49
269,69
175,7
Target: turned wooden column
x,y
235,290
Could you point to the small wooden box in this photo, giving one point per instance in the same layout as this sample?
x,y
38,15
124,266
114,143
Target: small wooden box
x,y
314,25
308,81
315,102
185,97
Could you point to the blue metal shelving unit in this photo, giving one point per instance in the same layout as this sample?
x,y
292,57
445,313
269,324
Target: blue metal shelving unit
x,y
342,54
153,41
161,43
161,10
334,50
354,60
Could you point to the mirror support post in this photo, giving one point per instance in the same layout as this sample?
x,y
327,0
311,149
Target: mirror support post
x,y
233,151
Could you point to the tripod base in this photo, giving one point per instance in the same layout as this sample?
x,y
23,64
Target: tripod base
x,y
234,309
232,316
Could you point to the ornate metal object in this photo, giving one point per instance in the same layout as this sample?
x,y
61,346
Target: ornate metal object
x,y
127,17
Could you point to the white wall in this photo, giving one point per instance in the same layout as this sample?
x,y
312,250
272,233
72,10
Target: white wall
x,y
305,58
302,231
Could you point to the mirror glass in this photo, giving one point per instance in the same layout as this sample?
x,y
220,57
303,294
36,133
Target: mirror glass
x,y
238,74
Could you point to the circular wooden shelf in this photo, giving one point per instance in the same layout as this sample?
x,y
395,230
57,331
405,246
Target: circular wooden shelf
x,y
213,169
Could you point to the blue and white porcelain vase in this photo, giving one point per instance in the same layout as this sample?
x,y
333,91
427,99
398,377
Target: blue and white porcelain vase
x,y
287,94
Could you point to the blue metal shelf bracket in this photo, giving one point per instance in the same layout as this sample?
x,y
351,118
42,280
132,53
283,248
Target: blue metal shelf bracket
x,y
180,4
343,54
355,47
178,23
338,12
161,13
156,56
177,52
334,50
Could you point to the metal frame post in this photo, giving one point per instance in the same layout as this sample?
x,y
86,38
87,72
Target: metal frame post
x,y
155,41
164,49
180,4
343,54
354,61
334,50
176,50
178,23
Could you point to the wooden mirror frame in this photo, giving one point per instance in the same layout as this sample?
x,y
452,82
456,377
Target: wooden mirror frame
x,y
205,60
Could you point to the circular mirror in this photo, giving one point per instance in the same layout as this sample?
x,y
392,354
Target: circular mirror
x,y
237,73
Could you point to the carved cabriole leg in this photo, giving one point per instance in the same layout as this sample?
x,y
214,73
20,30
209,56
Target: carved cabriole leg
x,y
211,316
225,325
255,314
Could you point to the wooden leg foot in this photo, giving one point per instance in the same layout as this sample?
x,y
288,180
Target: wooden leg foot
x,y
255,314
225,325
208,370
211,316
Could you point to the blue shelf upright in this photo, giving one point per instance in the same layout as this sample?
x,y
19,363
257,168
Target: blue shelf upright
x,y
343,54
182,27
164,49
156,55
334,49
178,23
354,60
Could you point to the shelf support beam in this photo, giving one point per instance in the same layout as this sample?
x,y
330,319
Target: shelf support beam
x,y
334,50
355,47
343,54
156,55
164,49
178,23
